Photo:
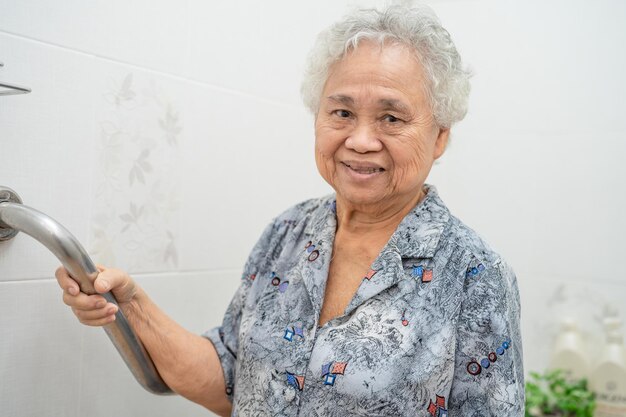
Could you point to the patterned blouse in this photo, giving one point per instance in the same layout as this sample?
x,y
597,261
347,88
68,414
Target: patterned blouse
x,y
433,329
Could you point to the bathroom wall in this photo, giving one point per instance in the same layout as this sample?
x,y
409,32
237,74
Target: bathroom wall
x,y
166,134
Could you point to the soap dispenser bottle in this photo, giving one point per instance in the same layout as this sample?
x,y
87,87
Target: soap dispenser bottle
x,y
608,378
569,353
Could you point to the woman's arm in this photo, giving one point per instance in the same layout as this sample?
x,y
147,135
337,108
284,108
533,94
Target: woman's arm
x,y
489,376
188,363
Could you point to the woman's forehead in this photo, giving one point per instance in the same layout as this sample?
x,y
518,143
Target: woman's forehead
x,y
388,76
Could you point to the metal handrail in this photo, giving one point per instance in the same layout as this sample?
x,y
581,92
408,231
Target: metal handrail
x,y
15,217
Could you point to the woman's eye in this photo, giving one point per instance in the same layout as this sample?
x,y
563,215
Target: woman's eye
x,y
391,119
342,113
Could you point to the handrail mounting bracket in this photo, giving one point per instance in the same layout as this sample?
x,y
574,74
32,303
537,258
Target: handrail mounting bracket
x,y
8,195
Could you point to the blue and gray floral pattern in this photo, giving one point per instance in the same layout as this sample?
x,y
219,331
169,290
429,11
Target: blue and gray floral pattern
x,y
433,329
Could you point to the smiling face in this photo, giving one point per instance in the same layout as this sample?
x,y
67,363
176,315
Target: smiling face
x,y
376,138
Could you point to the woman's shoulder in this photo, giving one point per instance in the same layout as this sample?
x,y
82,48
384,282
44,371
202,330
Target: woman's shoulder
x,y
294,220
453,235
304,211
481,261
468,240
286,229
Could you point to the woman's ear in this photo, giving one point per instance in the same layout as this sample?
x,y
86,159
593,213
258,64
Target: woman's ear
x,y
442,142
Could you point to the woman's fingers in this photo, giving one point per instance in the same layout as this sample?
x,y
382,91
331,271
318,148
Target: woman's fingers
x,y
105,314
98,317
94,310
83,301
117,281
91,310
108,279
66,282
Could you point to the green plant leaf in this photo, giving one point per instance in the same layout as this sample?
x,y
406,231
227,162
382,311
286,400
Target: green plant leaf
x,y
554,394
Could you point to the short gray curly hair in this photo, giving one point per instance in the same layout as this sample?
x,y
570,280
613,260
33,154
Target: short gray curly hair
x,y
415,26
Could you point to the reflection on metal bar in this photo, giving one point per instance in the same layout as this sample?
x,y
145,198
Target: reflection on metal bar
x,y
16,217
12,89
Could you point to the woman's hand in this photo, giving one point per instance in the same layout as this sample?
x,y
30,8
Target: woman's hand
x,y
94,310
188,363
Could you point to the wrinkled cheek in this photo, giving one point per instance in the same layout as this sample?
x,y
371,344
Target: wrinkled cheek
x,y
409,174
399,178
417,166
325,165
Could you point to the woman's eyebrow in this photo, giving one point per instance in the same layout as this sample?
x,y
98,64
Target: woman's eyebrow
x,y
384,103
341,99
393,104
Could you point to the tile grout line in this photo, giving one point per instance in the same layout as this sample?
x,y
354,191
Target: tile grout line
x,y
141,275
151,70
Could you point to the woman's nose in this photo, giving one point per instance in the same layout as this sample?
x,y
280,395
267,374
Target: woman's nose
x,y
364,138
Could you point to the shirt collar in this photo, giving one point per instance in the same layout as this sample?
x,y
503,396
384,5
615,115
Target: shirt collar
x,y
417,235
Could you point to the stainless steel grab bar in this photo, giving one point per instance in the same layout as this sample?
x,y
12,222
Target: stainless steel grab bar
x,y
15,217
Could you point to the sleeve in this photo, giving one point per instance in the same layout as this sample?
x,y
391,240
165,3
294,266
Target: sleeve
x,y
225,338
488,371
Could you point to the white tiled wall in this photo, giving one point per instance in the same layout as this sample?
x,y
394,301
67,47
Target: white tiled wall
x,y
166,134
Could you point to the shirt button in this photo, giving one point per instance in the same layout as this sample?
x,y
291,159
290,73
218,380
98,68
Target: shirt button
x,y
229,390
473,368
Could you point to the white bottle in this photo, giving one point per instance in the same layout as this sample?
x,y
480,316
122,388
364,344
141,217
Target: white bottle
x,y
569,353
608,378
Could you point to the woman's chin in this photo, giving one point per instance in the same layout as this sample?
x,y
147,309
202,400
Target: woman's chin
x,y
360,196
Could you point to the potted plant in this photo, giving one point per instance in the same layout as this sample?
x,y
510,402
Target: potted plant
x,y
553,394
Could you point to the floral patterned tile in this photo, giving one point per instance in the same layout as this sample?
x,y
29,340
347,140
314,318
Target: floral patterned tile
x,y
136,199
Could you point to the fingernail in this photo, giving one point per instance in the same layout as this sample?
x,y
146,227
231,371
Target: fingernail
x,y
101,304
72,290
112,310
105,285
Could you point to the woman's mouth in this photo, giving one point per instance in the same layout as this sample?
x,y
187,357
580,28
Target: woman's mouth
x,y
363,168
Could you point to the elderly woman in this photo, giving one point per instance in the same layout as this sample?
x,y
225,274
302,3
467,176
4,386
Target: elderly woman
x,y
374,301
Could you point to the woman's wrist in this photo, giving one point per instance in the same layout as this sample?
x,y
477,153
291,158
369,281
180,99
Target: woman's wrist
x,y
134,309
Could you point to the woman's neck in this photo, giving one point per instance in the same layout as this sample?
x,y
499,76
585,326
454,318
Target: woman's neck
x,y
381,218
